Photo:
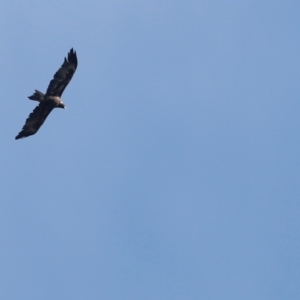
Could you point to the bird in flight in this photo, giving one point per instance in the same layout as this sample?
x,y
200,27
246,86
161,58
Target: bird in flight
x,y
52,98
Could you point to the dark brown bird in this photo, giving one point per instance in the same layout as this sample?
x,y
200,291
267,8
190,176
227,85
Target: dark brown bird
x,y
52,97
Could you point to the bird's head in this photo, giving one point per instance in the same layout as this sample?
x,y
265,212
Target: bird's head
x,y
61,105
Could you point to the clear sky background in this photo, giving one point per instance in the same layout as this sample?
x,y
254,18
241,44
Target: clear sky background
x,y
173,173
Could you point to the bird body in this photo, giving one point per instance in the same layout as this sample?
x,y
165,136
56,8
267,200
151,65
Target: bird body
x,y
52,98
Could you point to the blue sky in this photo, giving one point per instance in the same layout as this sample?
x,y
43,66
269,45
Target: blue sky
x,y
174,171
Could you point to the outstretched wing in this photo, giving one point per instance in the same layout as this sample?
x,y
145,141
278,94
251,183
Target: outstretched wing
x,y
35,120
63,76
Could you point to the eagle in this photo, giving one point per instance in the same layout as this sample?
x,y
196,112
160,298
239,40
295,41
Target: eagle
x,y
52,98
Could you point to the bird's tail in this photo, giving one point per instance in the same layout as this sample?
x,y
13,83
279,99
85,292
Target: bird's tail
x,y
37,96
